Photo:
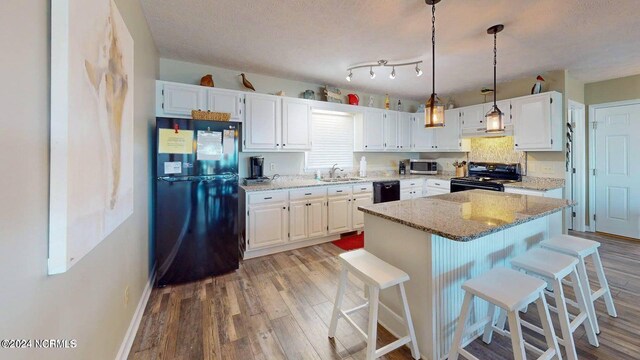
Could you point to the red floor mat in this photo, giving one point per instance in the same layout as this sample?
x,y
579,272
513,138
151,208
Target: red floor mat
x,y
351,242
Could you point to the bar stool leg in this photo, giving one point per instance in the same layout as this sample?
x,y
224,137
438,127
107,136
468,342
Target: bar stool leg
x,y
372,334
582,305
608,299
502,319
488,329
462,320
337,306
547,326
563,316
406,313
517,342
586,286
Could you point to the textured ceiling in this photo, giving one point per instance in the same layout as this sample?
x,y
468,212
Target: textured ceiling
x,y
316,41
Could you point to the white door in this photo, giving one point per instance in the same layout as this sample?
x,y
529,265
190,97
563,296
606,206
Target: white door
x,y
267,225
422,137
373,130
316,218
617,189
471,117
296,124
358,215
532,122
181,99
448,137
227,102
404,131
391,130
339,214
262,123
298,220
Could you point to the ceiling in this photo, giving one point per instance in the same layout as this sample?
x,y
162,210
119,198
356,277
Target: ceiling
x,y
315,41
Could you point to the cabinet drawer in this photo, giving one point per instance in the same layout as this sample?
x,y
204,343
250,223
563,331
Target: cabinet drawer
x,y
339,190
308,193
265,197
404,184
363,188
439,184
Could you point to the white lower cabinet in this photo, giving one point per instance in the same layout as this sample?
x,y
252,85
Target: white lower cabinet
x,y
298,220
436,187
307,213
358,215
339,211
411,189
267,224
316,218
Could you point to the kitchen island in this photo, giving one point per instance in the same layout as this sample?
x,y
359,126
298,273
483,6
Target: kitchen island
x,y
442,241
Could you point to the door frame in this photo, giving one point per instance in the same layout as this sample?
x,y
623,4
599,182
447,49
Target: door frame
x,y
592,155
578,148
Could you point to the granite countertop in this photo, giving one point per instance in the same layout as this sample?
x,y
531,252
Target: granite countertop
x,y
467,215
292,182
537,183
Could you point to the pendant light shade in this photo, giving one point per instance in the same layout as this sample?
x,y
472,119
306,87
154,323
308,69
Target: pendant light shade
x,y
434,110
495,117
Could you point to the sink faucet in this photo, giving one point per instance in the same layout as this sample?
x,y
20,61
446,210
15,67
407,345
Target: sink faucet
x,y
332,172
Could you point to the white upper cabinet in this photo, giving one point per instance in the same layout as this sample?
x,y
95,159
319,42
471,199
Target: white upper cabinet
x,y
373,129
404,131
537,121
422,137
226,101
505,107
177,100
391,130
296,124
447,138
472,117
263,120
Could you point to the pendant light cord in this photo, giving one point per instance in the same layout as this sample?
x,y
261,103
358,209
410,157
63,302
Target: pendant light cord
x,y
495,63
433,48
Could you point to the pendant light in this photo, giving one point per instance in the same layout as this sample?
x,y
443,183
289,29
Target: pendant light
x,y
495,117
434,111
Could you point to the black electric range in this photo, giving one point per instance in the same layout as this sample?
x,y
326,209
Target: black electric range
x,y
487,176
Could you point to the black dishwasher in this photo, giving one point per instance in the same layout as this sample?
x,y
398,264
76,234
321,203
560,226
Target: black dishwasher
x,y
384,191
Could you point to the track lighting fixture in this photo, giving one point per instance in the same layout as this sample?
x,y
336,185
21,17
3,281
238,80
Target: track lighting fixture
x,y
383,63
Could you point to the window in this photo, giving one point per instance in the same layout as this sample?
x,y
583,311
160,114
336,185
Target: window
x,y
332,141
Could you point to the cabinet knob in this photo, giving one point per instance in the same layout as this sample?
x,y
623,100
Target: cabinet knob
x,y
284,144
516,144
277,144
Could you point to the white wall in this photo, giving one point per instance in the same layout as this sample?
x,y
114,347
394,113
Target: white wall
x,y
86,303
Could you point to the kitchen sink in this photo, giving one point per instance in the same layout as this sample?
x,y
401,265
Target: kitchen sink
x,y
345,179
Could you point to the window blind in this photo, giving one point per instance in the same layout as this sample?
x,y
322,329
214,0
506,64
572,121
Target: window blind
x,y
332,141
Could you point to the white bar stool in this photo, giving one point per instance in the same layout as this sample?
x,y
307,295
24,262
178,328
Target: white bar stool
x,y
554,267
511,291
581,249
377,275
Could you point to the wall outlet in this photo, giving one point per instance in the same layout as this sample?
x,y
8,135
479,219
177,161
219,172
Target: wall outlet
x,y
272,166
126,296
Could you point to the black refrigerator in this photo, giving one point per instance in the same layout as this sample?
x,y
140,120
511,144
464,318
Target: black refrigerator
x,y
196,199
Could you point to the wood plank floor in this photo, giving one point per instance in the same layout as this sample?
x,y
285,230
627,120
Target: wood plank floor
x,y
279,307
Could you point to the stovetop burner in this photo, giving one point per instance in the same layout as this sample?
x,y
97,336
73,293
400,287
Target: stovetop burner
x,y
488,176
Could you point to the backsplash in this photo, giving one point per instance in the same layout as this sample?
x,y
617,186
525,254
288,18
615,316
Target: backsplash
x,y
497,149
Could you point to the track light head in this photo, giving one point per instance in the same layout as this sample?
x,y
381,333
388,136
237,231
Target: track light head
x,y
393,73
371,73
349,76
418,70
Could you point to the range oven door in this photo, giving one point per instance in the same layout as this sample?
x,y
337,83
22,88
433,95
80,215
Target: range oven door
x,y
455,187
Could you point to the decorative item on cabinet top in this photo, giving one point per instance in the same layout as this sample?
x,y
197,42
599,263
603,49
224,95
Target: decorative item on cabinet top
x,y
210,115
309,95
537,87
332,94
207,80
246,83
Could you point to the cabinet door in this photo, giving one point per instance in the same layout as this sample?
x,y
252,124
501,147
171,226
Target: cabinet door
x,y
296,125
228,102
404,131
316,218
532,122
179,99
373,130
471,117
267,225
298,220
262,122
391,130
358,215
339,214
447,138
422,137
406,194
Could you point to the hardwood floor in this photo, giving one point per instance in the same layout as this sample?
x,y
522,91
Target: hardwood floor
x,y
279,307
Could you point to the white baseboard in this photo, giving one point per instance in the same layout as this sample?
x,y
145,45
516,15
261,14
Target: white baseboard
x,y
127,342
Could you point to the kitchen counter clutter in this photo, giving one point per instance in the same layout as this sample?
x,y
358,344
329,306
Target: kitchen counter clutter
x,y
467,215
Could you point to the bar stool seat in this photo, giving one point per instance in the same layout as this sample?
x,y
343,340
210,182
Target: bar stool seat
x,y
582,249
377,275
509,290
554,267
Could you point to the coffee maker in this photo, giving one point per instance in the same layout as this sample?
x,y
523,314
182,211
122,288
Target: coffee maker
x,y
256,171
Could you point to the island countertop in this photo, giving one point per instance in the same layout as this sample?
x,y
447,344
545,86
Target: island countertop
x,y
467,215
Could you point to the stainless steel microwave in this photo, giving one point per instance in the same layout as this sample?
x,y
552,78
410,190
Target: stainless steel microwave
x,y
423,167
